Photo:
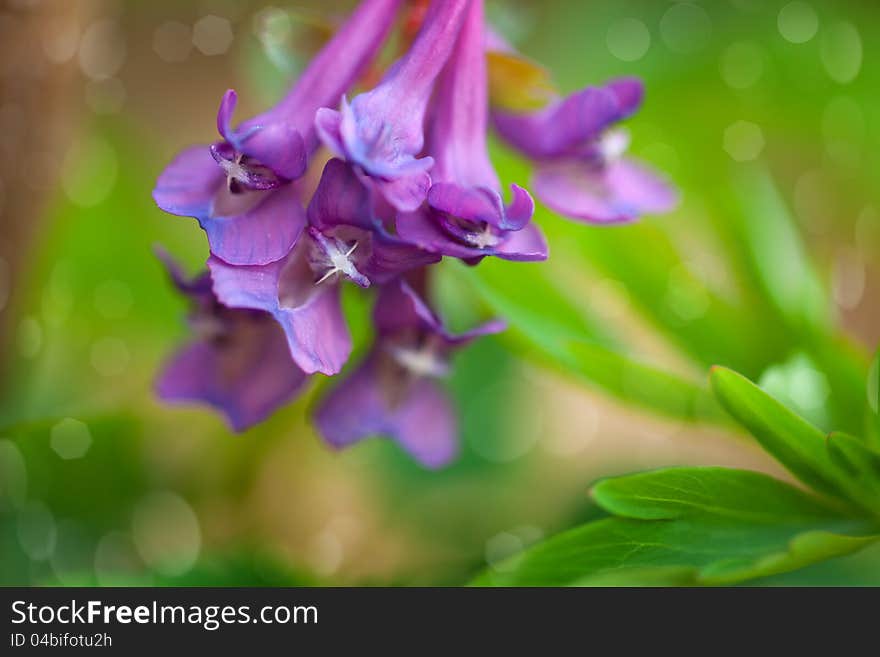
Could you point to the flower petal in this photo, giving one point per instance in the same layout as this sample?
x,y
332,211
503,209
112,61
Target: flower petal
x,y
340,199
525,245
481,204
261,235
407,192
317,332
629,92
247,376
564,126
188,185
280,147
619,193
422,229
313,321
422,421
392,257
224,115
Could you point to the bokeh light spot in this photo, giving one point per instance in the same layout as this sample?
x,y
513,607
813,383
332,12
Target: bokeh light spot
x,y
166,533
797,22
685,27
744,141
102,50
742,65
212,35
70,439
60,40
628,39
841,52
501,549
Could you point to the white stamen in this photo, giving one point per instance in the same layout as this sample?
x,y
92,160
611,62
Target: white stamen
x,y
234,169
613,144
483,239
338,260
422,362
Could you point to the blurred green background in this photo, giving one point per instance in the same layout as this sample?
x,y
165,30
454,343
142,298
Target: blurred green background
x,y
765,114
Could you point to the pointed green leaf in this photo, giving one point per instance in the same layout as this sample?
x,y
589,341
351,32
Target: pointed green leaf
x,y
720,492
861,465
688,526
790,439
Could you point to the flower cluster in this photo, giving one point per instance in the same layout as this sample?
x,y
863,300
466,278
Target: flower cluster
x,y
405,179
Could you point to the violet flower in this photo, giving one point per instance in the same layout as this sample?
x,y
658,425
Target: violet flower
x,y
230,187
348,240
465,216
310,314
381,131
238,361
394,392
581,171
301,290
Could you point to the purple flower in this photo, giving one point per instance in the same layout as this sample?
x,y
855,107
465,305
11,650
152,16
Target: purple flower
x,y
394,392
301,290
465,216
381,131
238,361
229,187
348,240
309,312
581,171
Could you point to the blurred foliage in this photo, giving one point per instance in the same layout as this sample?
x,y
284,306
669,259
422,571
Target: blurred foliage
x,y
739,276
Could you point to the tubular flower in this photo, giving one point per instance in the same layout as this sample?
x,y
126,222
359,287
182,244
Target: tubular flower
x,y
581,171
301,290
231,186
238,361
465,216
349,240
381,131
395,392
410,181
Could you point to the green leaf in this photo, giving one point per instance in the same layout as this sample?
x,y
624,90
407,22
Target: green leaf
x,y
688,526
546,327
790,439
723,493
778,257
861,464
